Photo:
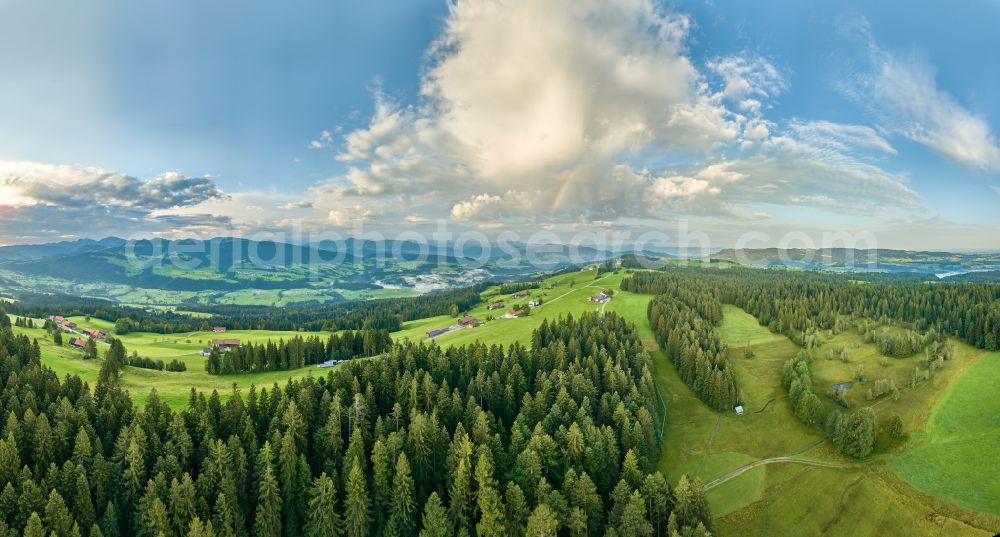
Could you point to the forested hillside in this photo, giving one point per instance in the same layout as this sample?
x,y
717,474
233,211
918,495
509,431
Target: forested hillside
x,y
683,317
799,304
795,302
387,314
476,440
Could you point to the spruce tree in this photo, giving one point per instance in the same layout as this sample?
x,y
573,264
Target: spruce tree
x,y
57,516
382,494
267,522
323,515
435,519
542,522
154,519
633,522
356,511
34,527
222,519
488,501
83,506
290,487
402,515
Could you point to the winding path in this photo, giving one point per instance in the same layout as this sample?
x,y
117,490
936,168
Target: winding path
x,y
774,460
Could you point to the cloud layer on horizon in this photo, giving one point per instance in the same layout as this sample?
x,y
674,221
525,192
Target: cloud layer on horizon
x,y
46,201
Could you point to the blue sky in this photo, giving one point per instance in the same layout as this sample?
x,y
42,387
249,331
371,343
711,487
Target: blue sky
x,y
194,118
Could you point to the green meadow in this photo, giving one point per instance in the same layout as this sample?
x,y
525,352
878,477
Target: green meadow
x,y
174,388
958,456
741,328
560,295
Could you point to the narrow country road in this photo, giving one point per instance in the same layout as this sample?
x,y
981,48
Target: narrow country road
x,y
571,291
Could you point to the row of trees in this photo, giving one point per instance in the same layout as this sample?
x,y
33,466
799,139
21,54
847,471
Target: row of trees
x,y
174,365
477,441
683,316
298,352
22,322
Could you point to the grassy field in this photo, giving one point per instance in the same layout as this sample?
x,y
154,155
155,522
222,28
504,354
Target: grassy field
x,y
561,295
958,456
740,328
174,388
186,347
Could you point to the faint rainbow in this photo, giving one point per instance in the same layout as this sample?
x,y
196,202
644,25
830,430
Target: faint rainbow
x,y
561,191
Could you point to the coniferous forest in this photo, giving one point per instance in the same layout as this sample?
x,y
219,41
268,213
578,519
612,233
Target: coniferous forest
x,y
795,303
476,440
298,352
798,304
683,316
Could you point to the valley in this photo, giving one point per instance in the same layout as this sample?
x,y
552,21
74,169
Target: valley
x,y
765,471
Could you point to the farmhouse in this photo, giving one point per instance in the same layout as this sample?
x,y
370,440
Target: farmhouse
x,y
496,306
534,304
329,363
513,314
69,325
599,297
94,333
520,294
224,345
435,332
77,342
219,329
468,321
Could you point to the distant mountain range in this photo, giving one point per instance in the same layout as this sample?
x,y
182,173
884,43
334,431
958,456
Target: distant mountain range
x,y
241,271
941,264
231,271
28,252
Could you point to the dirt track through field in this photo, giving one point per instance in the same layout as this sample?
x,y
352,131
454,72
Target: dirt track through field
x,y
781,459
571,291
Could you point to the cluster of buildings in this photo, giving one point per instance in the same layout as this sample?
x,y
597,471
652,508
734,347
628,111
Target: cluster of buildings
x,y
63,324
513,314
221,345
599,297
69,326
